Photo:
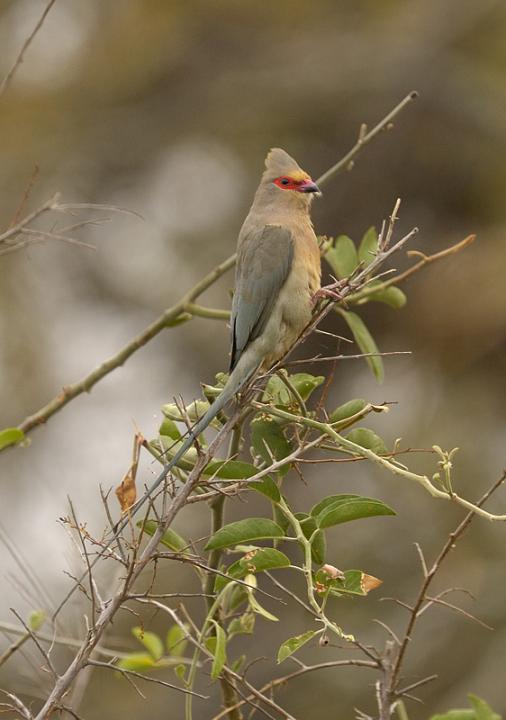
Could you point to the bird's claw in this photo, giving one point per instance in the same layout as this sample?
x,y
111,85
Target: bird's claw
x,y
329,291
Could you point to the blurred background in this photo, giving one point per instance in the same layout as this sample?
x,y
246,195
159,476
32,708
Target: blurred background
x,y
167,109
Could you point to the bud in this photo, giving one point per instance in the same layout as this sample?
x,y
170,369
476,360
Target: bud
x,y
333,572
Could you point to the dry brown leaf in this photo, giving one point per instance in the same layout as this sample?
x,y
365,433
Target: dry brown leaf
x,y
126,492
369,582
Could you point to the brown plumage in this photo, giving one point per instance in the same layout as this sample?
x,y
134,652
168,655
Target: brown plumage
x,y
277,276
278,264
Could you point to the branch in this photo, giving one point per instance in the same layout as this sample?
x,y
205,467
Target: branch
x,y
184,309
273,684
108,611
19,59
422,480
364,138
426,260
171,316
429,577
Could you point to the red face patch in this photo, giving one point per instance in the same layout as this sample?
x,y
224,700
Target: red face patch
x,y
287,183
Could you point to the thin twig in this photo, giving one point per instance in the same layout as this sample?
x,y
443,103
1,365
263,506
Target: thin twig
x,y
19,58
273,684
172,314
346,162
148,678
447,547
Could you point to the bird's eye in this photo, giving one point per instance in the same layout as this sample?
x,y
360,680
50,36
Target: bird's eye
x,y
285,181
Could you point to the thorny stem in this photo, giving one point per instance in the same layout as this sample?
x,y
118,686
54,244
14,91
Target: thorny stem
x,y
429,576
308,573
273,684
422,480
65,681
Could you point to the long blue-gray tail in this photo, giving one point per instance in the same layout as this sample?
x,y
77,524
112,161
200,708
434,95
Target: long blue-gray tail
x,y
243,371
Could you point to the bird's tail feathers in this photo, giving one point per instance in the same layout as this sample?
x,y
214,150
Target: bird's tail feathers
x,y
239,376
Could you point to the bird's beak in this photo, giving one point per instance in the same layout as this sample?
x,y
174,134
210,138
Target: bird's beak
x,y
308,186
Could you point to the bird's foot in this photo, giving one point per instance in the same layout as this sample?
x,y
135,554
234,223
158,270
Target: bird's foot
x,y
328,291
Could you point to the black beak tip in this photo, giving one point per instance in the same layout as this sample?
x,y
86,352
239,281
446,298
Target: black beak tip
x,y
312,187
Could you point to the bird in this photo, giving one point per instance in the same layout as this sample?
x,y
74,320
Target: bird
x,y
278,274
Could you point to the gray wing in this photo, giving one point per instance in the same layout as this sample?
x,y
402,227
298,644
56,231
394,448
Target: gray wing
x,y
263,265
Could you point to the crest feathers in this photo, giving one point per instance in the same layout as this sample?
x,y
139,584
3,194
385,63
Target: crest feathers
x,y
278,162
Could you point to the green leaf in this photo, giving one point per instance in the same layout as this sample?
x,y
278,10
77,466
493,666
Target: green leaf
x,y
282,520
365,341
368,246
220,656
482,710
276,392
268,488
258,609
318,547
238,595
167,448
238,663
170,538
347,410
36,619
352,509
319,508
180,671
391,295
367,439
256,560
354,582
150,640
293,644
343,257
137,662
176,641
243,625
169,429
264,559
305,383
194,411
244,531
230,469
234,572
269,441
11,436
455,715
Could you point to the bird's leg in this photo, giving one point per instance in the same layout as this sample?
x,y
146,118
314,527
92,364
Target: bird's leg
x,y
330,291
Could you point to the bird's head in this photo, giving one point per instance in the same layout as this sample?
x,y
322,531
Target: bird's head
x,y
285,174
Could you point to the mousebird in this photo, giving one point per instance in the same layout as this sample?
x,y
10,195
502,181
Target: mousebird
x,y
277,276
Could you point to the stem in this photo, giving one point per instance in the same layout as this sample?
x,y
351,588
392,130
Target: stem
x,y
346,162
228,689
166,319
401,710
422,480
308,573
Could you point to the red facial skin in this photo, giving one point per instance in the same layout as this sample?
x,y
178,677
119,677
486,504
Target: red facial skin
x,y
285,182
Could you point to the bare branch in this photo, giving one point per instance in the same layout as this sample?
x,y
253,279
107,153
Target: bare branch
x,y
346,163
19,58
